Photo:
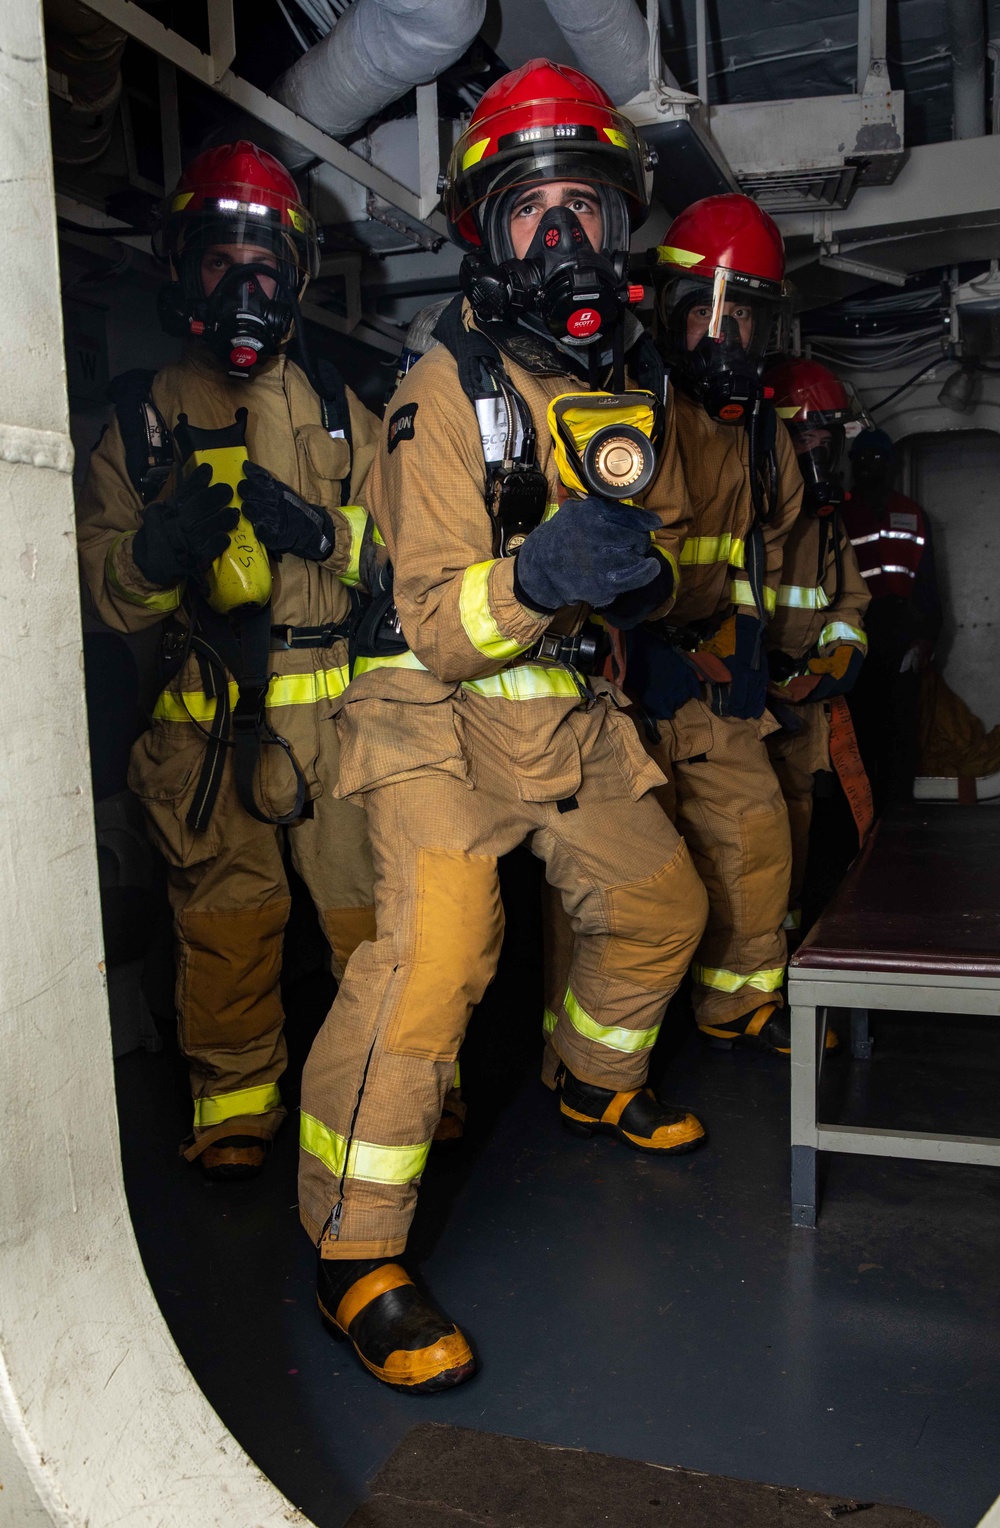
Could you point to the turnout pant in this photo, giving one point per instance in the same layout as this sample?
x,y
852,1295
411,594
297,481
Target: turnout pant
x,y
230,901
378,1072
726,803
796,757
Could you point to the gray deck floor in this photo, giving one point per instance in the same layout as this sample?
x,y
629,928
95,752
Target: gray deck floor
x,y
664,1311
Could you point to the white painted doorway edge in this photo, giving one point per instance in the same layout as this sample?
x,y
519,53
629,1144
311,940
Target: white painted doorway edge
x,y
101,1422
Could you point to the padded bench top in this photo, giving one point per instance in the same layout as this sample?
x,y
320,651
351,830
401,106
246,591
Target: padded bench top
x,y
922,898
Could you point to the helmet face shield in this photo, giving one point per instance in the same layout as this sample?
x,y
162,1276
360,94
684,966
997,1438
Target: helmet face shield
x,y
723,305
821,452
231,214
514,149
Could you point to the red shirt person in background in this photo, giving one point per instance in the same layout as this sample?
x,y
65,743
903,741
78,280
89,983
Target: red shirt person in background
x,y
892,538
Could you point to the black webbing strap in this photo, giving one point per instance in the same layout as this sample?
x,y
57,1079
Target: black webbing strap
x,y
336,409
244,652
147,463
477,358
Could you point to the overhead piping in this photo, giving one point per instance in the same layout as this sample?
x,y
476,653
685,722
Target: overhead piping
x,y
377,51
968,67
610,41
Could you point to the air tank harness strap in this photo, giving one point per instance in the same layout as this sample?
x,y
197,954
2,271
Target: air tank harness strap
x,y
244,653
285,637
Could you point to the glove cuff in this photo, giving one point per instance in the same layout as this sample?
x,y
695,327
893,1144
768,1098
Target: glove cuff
x,y
524,598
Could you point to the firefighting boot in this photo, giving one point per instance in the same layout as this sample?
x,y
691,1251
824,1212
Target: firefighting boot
x,y
398,1333
233,1158
636,1117
767,1028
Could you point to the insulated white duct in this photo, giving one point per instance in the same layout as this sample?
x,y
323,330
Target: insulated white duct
x,y
378,50
967,27
610,41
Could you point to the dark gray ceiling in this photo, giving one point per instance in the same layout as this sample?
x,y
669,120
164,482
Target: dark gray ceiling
x,y
762,50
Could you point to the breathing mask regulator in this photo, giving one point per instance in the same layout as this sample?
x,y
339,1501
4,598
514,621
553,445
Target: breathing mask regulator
x,y
563,287
238,321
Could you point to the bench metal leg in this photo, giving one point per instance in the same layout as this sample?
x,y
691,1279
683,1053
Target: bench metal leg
x,y
861,1036
804,1186
807,1023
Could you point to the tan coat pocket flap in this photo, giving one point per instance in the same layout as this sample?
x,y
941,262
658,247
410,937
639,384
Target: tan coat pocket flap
x,y
641,774
689,732
164,771
383,742
323,462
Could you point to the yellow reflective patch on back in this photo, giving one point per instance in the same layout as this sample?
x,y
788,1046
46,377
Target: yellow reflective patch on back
x,y
616,136
785,411
181,200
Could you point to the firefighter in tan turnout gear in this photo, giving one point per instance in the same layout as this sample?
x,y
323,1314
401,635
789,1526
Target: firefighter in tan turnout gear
x,y
700,674
817,637
241,755
469,726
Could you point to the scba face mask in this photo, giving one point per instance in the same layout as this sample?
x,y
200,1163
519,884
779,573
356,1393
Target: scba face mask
x,y
726,378
572,291
238,321
820,454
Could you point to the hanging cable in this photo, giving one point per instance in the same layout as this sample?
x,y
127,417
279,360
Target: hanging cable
x,y
909,383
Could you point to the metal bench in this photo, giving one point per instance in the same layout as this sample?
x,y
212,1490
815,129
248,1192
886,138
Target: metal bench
x,y
914,927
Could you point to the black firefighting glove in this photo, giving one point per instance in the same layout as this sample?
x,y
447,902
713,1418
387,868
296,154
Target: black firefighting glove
x,y
629,610
659,677
182,536
739,643
589,552
283,521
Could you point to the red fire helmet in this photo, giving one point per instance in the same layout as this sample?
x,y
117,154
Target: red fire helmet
x,y
730,232
722,258
238,194
543,121
807,393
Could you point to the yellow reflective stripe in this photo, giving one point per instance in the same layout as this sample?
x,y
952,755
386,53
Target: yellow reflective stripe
x,y
405,660
549,1021
803,596
671,560
702,551
375,1164
216,1110
284,690
475,152
377,536
477,617
731,981
526,681
741,594
357,519
615,1038
843,631
550,510
162,602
